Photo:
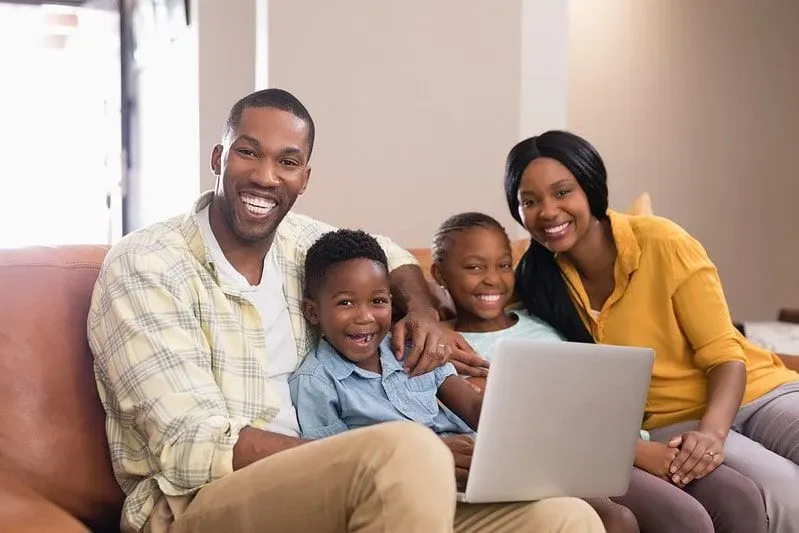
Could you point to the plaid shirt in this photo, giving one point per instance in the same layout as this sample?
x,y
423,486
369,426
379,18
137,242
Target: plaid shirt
x,y
180,356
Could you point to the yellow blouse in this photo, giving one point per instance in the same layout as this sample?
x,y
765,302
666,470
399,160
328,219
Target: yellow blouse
x,y
668,296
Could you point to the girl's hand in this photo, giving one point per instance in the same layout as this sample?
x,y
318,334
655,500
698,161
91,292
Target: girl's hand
x,y
655,458
478,384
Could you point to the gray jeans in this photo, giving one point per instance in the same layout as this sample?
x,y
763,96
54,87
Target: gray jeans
x,y
764,446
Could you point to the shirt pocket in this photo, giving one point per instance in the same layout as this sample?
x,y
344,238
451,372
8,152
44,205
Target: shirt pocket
x,y
422,391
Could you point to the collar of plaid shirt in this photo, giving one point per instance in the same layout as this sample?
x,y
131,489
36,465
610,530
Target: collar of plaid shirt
x,y
294,236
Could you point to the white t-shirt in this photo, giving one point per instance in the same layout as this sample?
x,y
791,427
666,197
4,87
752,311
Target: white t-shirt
x,y
269,300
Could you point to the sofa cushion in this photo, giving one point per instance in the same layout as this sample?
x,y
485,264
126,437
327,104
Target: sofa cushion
x,y
52,435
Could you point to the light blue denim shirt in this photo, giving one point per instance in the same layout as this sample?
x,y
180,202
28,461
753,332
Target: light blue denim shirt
x,y
332,394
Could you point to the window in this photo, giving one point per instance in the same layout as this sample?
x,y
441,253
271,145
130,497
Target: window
x,y
60,133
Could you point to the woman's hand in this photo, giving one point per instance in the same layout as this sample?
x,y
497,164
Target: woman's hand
x,y
655,458
700,453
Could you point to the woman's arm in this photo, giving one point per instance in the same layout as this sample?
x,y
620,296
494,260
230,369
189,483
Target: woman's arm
x,y
702,312
702,450
725,388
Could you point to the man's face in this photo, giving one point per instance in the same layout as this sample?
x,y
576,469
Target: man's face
x,y
261,169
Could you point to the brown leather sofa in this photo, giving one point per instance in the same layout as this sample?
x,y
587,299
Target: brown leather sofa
x,y
55,473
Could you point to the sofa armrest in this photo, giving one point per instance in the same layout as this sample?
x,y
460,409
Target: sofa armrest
x,y
789,315
22,510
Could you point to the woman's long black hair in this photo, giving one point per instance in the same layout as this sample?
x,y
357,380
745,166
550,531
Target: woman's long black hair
x,y
539,281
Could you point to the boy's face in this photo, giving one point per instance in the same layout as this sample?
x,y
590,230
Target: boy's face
x,y
353,308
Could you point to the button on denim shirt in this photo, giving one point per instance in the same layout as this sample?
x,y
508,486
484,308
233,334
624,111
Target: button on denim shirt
x,y
332,394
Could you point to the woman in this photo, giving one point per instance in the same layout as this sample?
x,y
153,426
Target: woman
x,y
599,276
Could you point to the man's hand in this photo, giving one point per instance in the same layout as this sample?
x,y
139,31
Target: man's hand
x,y
461,447
701,452
464,358
255,444
655,458
428,345
442,301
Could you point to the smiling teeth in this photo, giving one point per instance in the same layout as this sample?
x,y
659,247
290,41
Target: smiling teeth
x,y
362,339
557,229
256,205
489,297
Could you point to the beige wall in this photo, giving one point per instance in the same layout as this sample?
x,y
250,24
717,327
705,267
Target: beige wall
x,y
227,67
697,102
415,102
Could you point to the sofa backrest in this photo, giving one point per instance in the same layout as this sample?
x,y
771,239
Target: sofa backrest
x,y
52,425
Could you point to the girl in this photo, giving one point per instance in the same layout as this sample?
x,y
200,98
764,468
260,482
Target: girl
x,y
472,260
600,276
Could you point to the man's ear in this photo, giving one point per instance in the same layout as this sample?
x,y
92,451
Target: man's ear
x,y
435,271
311,311
216,159
307,179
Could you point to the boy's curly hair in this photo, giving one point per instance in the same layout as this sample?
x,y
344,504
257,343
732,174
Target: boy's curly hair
x,y
336,247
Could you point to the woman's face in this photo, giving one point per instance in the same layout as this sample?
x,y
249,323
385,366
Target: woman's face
x,y
552,205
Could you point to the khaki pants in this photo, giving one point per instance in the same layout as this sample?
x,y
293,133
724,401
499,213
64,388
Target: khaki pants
x,y
387,478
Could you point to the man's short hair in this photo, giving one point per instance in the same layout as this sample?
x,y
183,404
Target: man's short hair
x,y
275,99
337,247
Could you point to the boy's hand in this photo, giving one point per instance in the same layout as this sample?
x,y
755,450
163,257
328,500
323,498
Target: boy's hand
x,y
461,447
655,458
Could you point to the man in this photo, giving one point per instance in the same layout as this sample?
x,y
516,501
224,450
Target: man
x,y
196,324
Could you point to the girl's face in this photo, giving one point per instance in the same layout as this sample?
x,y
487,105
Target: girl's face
x,y
477,270
552,205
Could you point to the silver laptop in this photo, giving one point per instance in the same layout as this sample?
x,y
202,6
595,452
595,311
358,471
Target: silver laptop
x,y
558,419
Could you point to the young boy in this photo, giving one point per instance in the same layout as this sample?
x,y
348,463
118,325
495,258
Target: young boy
x,y
353,378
